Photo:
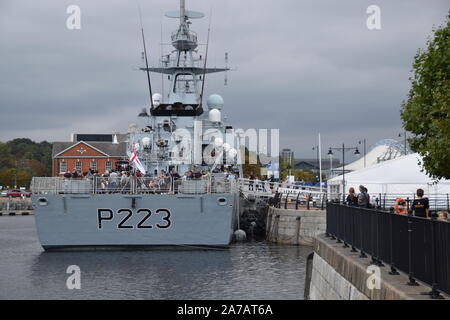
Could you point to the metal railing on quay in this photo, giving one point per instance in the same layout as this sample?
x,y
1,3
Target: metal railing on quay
x,y
387,201
417,246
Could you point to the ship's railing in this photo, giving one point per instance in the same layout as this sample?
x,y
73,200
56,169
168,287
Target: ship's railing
x,y
131,185
259,186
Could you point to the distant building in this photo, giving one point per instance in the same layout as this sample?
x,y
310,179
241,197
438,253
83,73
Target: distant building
x,y
101,152
287,155
313,164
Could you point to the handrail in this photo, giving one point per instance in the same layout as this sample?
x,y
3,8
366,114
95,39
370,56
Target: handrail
x,y
417,246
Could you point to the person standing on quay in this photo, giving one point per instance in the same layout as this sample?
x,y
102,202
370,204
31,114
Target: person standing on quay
x,y
421,206
352,199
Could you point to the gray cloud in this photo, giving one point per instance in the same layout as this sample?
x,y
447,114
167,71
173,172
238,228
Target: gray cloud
x,y
302,66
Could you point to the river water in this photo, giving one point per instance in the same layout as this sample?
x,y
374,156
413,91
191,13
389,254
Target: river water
x,y
253,270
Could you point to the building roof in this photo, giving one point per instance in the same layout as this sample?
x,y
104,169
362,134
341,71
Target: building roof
x,y
314,164
384,150
112,150
400,176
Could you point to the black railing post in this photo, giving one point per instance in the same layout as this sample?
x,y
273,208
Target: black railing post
x,y
296,201
344,233
434,293
353,230
377,218
338,224
372,239
361,233
285,202
393,271
412,281
327,214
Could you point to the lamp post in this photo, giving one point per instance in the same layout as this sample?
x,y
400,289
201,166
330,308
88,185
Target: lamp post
x,y
364,142
343,150
405,136
316,148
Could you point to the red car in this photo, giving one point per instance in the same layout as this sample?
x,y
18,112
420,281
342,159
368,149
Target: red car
x,y
16,193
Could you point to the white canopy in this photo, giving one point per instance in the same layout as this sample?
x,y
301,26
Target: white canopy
x,y
402,175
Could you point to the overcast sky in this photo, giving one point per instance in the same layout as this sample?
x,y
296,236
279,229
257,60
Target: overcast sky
x,y
303,66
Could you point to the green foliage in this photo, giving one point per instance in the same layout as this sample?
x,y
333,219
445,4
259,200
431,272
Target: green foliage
x,y
300,175
426,113
251,169
21,159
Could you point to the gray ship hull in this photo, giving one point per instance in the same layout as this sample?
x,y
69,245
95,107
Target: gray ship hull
x,y
134,221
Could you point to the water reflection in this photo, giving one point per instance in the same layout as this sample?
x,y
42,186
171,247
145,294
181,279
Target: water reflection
x,y
245,271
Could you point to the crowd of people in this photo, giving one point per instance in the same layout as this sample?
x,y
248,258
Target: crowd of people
x,y
420,206
123,181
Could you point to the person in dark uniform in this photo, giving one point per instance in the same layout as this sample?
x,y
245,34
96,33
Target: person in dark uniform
x,y
421,206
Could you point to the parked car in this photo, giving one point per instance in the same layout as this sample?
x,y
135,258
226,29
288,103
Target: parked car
x,y
17,193
4,193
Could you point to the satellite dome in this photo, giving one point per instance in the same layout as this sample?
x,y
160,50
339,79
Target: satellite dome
x,y
157,98
215,115
215,102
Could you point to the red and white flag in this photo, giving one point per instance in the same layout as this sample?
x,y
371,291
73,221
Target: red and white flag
x,y
135,160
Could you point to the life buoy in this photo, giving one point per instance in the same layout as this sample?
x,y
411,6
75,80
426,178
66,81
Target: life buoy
x,y
400,206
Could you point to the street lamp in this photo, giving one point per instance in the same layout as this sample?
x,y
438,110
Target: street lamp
x,y
343,150
405,136
364,142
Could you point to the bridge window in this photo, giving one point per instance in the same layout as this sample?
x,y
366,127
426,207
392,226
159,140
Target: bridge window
x,y
184,83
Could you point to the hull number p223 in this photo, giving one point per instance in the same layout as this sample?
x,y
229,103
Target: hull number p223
x,y
104,215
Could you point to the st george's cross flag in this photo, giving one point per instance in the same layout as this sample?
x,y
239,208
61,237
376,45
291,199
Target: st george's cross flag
x,y
135,160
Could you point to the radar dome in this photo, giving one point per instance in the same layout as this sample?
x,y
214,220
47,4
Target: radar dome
x,y
157,98
215,115
215,102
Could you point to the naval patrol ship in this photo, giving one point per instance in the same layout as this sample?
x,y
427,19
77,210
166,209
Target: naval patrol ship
x,y
184,161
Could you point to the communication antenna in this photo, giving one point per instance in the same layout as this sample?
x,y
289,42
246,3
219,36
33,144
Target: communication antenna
x,y
146,60
226,67
161,53
206,59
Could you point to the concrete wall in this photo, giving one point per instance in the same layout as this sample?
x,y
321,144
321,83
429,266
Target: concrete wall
x,y
288,226
328,284
339,274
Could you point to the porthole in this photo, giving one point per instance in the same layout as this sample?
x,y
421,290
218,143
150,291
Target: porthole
x,y
222,201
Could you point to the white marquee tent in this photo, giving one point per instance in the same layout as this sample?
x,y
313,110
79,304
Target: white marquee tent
x,y
402,175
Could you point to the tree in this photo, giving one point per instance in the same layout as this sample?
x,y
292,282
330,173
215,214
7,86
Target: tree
x,y
426,113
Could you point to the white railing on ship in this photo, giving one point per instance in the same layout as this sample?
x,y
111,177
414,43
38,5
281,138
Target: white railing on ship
x,y
131,185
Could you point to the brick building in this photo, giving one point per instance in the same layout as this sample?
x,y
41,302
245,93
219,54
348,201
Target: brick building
x,y
97,151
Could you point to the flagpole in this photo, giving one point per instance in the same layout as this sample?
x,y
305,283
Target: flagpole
x,y
320,164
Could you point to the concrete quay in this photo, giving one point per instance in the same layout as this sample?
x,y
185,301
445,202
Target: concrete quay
x,y
294,227
336,273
